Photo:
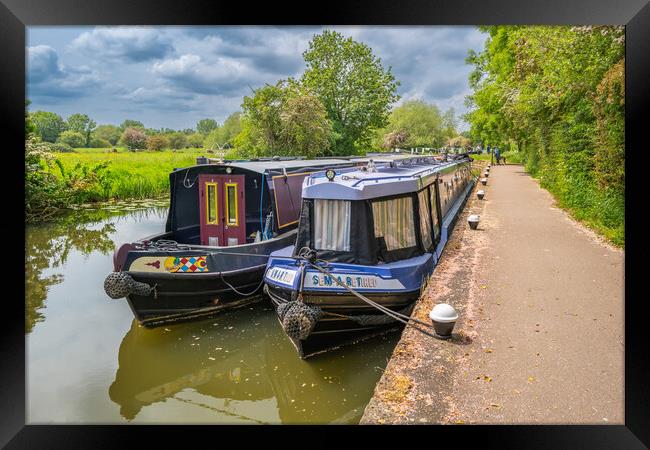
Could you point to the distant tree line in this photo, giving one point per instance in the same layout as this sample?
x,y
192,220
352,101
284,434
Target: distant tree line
x,y
79,130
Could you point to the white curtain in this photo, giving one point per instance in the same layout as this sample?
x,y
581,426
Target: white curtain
x,y
394,221
332,225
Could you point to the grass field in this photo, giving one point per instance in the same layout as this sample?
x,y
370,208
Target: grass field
x,y
132,175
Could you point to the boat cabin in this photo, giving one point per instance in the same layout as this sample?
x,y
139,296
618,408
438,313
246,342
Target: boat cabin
x,y
238,202
380,214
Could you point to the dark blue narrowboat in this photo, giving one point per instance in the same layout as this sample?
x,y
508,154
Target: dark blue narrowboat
x,y
379,230
224,220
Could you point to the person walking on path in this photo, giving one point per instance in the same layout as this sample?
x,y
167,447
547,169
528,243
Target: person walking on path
x,y
497,154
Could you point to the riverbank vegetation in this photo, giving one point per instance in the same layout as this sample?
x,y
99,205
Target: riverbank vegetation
x,y
555,96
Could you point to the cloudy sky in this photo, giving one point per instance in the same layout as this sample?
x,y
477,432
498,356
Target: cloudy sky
x,y
174,76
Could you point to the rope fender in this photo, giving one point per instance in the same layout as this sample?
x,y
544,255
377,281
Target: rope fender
x,y
120,284
298,319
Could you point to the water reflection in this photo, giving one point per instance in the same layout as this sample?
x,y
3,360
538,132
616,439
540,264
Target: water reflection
x,y
241,368
236,368
48,246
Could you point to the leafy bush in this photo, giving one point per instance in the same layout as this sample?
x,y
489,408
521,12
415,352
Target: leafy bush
x,y
134,138
195,140
72,138
156,143
177,140
44,193
99,143
111,133
57,147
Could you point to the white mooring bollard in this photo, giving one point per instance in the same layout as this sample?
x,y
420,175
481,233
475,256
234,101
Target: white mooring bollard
x,y
473,221
443,317
480,194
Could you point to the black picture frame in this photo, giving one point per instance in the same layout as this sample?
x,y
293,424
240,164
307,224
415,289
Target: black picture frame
x,y
15,15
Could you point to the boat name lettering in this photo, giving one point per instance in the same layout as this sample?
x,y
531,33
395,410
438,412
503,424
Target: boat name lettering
x,y
283,276
354,281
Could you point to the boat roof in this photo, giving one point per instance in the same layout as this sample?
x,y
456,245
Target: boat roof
x,y
263,166
402,176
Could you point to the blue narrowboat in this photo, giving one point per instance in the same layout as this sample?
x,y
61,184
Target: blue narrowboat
x,y
378,230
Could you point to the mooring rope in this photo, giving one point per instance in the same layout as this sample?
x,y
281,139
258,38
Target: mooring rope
x,y
308,255
238,292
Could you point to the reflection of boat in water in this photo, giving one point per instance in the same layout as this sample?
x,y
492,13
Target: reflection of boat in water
x,y
155,365
246,373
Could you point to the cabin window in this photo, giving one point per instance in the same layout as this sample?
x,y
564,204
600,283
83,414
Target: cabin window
x,y
425,219
231,203
211,204
332,225
394,222
434,211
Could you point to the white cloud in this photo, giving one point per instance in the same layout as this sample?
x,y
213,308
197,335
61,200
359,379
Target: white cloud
x,y
133,44
47,77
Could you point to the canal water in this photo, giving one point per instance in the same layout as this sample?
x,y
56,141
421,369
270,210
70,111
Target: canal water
x,y
88,361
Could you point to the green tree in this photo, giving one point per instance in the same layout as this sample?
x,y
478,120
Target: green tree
x,y
177,140
224,135
449,123
352,84
284,119
262,112
415,124
83,124
205,126
128,123
195,140
555,93
72,138
110,133
305,128
48,125
96,142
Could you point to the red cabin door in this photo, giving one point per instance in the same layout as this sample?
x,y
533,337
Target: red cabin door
x,y
234,208
221,206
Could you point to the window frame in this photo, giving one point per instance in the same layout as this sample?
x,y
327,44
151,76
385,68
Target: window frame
x,y
427,200
227,204
207,186
416,219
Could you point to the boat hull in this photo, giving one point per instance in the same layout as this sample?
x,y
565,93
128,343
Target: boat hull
x,y
191,296
335,329
196,282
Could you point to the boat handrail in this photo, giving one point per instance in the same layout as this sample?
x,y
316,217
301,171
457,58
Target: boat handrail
x,y
416,174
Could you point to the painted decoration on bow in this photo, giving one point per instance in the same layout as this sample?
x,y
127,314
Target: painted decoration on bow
x,y
186,264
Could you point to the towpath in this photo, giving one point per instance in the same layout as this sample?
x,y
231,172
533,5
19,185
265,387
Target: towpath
x,y
541,333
